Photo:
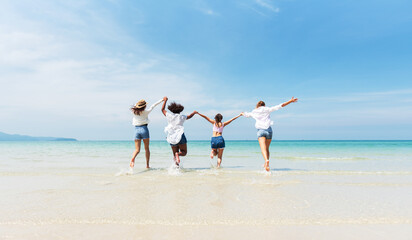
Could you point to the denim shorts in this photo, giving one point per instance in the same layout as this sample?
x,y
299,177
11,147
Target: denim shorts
x,y
267,133
217,142
141,132
182,141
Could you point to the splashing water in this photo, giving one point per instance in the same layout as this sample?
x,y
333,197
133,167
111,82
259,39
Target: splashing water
x,y
174,170
124,172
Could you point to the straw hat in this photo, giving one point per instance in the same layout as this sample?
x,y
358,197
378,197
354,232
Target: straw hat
x,y
140,104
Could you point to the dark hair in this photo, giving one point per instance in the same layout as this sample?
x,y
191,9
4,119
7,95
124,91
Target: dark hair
x,y
136,110
218,118
260,104
175,107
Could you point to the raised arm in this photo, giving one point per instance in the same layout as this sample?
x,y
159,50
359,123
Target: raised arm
x,y
191,115
279,106
292,100
206,117
154,105
231,120
164,106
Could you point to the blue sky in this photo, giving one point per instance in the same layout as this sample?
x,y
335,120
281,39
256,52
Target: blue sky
x,y
72,69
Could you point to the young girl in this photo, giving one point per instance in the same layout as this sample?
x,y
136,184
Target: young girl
x,y
175,130
263,124
217,142
140,121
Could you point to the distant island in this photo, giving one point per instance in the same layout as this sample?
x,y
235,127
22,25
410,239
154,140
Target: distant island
x,y
17,137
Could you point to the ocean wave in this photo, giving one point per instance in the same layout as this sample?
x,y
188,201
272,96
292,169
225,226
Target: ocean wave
x,y
172,171
124,172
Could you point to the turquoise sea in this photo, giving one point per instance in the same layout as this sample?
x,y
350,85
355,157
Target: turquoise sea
x,y
109,156
86,190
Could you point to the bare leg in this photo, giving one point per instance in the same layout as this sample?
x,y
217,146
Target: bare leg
x,y
213,153
268,141
219,157
264,150
179,151
147,151
182,149
175,150
137,143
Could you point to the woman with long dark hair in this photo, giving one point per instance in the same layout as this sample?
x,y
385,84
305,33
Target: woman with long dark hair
x,y
217,142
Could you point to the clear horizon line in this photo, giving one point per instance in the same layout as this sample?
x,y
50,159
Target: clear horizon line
x,y
272,140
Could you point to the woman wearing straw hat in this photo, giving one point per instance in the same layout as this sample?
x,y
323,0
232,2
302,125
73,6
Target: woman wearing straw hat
x,y
140,121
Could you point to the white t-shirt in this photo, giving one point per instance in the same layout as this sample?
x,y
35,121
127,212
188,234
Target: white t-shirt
x,y
262,116
143,118
175,128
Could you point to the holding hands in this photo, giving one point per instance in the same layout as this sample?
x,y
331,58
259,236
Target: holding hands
x,y
164,105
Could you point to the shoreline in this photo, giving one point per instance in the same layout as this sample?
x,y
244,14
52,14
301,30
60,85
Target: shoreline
x,y
315,190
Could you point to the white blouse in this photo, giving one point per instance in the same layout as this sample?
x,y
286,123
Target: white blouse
x,y
262,116
143,118
175,128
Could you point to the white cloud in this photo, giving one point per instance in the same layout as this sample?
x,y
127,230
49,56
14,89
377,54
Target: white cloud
x,y
209,12
61,76
262,7
267,5
204,7
77,76
257,11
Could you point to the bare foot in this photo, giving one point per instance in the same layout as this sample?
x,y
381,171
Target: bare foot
x,y
266,166
132,163
219,161
147,167
211,154
177,158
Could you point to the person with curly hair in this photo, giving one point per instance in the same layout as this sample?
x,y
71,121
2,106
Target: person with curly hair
x,y
263,124
140,121
175,130
217,142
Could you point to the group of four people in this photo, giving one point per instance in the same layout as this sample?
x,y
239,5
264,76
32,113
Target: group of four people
x,y
175,131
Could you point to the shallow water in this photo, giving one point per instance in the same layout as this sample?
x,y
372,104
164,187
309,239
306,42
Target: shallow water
x,y
64,185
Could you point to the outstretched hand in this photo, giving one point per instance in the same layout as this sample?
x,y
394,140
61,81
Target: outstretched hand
x,y
191,115
165,98
293,99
